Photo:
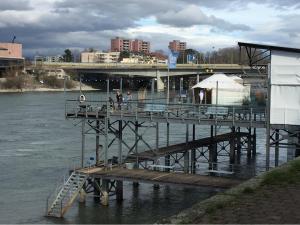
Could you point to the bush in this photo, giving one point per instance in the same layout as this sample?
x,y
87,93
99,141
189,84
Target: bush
x,y
70,84
14,83
53,82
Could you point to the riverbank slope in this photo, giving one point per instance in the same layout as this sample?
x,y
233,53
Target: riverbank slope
x,y
273,197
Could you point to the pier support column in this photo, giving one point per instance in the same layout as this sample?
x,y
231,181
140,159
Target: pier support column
x,y
254,139
136,165
213,156
156,186
97,142
97,189
167,158
82,142
276,147
249,147
119,190
120,160
232,145
105,190
82,196
193,152
238,146
186,154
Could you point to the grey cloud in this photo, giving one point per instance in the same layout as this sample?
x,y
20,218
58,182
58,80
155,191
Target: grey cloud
x,y
14,5
192,15
91,23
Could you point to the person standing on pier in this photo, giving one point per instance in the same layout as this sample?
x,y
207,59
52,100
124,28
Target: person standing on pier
x,y
128,100
119,98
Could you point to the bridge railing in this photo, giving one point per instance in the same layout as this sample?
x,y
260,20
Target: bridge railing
x,y
158,109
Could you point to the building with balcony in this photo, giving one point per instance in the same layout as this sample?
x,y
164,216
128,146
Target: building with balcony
x,y
119,45
100,57
177,46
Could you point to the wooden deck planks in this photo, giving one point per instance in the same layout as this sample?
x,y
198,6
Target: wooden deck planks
x,y
150,176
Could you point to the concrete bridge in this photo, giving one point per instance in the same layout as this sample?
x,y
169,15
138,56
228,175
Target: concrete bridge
x,y
150,70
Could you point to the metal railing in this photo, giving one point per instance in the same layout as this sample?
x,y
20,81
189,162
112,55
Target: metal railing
x,y
158,109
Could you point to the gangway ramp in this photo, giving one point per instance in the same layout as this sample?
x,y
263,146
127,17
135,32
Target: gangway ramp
x,y
183,147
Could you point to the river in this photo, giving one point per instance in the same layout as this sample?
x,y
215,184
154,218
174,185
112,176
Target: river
x,y
36,145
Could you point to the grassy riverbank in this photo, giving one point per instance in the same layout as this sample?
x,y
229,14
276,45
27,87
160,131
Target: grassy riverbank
x,y
273,197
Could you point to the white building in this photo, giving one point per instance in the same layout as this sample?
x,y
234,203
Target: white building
x,y
100,57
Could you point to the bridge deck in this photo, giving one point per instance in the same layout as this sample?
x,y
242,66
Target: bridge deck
x,y
182,147
157,177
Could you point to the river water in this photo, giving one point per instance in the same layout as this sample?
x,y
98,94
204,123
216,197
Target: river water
x,y
36,145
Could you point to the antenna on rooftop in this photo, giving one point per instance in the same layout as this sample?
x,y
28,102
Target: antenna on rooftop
x,y
13,40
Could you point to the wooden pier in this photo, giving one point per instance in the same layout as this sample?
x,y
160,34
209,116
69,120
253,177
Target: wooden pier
x,y
158,177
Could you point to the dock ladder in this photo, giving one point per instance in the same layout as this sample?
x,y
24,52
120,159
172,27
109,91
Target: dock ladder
x,y
62,199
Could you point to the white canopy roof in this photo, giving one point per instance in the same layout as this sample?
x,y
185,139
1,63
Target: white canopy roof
x,y
224,82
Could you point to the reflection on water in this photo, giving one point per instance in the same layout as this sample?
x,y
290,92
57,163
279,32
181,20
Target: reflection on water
x,y
36,145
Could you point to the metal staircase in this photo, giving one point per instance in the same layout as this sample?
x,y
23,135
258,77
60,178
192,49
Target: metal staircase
x,y
62,199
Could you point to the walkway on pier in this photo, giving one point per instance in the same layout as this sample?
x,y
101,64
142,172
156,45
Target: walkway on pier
x,y
183,147
157,177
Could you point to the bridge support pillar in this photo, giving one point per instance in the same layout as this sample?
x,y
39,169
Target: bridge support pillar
x,y
160,83
119,190
105,190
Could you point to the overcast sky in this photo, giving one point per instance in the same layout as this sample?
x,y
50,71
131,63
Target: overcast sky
x,y
50,26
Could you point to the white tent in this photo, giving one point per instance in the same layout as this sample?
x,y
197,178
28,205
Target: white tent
x,y
224,90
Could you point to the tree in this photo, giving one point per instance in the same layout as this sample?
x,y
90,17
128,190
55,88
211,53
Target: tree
x,y
68,56
124,54
182,58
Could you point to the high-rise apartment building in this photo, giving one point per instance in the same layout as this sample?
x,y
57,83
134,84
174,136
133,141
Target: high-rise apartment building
x,y
119,45
177,45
